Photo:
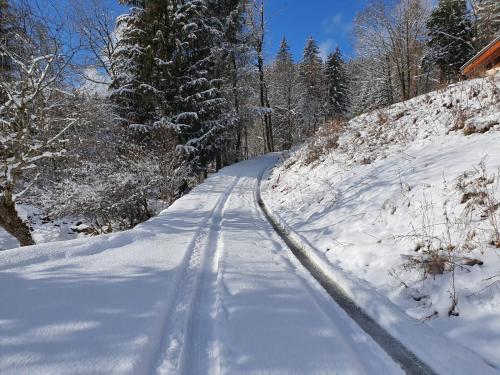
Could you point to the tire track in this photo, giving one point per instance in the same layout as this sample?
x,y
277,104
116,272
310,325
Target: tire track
x,y
182,351
407,360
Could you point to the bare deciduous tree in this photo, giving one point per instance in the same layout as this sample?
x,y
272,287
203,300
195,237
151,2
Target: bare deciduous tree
x,y
96,27
256,24
33,118
390,40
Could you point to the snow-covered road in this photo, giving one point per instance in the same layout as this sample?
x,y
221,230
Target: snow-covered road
x,y
207,287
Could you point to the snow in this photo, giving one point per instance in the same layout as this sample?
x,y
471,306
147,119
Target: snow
x,y
44,229
205,287
208,286
364,205
6,240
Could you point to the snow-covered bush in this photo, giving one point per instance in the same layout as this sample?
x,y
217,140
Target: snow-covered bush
x,y
468,219
111,178
453,237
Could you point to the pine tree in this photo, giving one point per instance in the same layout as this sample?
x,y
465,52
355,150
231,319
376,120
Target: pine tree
x,y
231,51
450,37
169,75
201,118
283,96
337,85
487,21
370,85
312,81
141,62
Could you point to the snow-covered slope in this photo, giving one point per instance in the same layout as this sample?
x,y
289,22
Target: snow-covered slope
x,y
407,199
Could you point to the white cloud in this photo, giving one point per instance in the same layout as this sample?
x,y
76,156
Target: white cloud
x,y
333,23
326,47
94,83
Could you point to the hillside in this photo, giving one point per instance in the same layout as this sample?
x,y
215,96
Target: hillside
x,y
406,198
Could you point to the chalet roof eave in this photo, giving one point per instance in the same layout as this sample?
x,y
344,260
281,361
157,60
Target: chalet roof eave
x,y
477,55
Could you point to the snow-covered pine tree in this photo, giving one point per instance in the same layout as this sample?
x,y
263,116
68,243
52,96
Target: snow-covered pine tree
x,y
450,37
370,85
337,85
313,88
232,52
487,21
283,95
201,117
168,72
141,63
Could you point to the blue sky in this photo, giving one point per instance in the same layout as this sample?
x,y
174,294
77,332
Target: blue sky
x,y
327,21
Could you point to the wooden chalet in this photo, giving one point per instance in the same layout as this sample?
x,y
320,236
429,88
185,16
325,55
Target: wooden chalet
x,y
485,63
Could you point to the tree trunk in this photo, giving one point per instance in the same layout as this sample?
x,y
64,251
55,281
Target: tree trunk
x,y
218,160
408,63
289,133
264,103
236,106
245,133
269,123
264,99
13,224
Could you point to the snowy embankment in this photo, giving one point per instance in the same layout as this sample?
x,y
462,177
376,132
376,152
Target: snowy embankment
x,y
405,203
93,305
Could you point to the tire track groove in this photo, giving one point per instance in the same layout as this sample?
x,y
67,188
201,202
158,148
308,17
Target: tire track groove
x,y
408,361
179,351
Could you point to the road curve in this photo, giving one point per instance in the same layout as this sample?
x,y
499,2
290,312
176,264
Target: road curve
x,y
206,287
249,307
408,361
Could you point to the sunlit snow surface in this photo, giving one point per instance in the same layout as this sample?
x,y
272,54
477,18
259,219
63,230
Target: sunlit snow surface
x,y
206,287
394,172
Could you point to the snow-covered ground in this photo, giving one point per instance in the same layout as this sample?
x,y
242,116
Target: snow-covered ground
x,y
206,287
44,229
7,241
209,287
400,184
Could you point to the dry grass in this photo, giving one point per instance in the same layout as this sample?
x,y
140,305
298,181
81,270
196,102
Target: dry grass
x,y
471,129
382,117
325,140
479,188
459,120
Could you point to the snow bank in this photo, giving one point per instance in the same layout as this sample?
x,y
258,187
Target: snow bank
x,y
98,305
394,182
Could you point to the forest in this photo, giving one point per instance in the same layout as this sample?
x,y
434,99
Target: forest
x,y
111,120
